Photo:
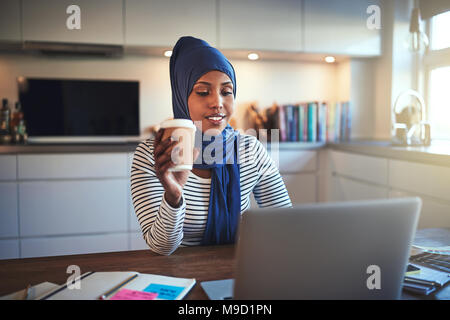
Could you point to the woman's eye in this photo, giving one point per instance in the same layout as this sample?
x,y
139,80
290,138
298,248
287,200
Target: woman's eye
x,y
227,93
202,93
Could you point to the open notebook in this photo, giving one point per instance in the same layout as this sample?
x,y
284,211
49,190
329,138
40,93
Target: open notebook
x,y
123,286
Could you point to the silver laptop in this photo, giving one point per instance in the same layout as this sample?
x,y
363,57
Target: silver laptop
x,y
346,250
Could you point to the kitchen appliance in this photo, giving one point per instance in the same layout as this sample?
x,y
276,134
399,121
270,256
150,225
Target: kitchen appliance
x,y
409,127
80,110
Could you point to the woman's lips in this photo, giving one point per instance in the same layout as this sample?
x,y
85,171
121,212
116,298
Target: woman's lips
x,y
215,120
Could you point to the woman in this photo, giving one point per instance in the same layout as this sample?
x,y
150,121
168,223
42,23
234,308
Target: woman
x,y
202,206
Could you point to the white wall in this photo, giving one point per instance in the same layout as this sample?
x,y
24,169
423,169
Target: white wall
x,y
394,70
262,81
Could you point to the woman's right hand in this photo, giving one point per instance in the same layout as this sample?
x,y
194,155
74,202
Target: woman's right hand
x,y
172,181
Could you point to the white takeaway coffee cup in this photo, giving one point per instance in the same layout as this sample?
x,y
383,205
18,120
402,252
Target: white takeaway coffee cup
x,y
183,131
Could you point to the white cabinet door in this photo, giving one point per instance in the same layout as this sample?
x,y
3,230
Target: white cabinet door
x,y
347,190
10,20
163,22
137,242
9,249
8,169
295,161
434,214
9,219
301,187
260,24
69,166
73,207
340,27
361,167
56,246
101,21
420,178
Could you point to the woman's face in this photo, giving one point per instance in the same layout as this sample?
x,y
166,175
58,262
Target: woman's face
x,y
212,102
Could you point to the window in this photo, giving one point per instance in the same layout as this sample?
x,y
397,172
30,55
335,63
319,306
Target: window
x,y
439,102
437,76
440,26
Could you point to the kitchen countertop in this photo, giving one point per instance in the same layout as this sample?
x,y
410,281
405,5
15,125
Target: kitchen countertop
x,y
114,147
436,154
67,148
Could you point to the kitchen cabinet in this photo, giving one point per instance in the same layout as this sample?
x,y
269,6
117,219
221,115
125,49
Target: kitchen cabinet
x,y
435,213
101,21
72,166
361,167
260,24
50,208
358,177
9,219
79,244
8,169
137,241
345,189
161,23
420,178
9,249
10,21
68,203
302,188
340,27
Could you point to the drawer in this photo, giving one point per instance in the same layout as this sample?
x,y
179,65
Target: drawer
x,y
67,166
9,249
73,207
420,178
343,189
8,168
133,222
295,161
434,214
9,219
301,187
57,246
371,169
137,242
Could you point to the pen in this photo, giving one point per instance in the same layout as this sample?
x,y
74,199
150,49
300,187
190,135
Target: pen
x,y
120,285
420,281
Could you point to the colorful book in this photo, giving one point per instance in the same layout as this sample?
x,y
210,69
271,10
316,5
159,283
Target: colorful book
x,y
296,110
330,123
337,122
302,122
348,121
312,122
282,123
322,122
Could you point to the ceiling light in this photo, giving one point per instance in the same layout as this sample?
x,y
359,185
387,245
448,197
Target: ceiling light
x,y
253,56
330,59
417,40
168,53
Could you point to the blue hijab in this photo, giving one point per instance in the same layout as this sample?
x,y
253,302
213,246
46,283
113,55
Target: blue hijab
x,y
191,58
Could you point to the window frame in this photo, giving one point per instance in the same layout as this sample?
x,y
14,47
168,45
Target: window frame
x,y
431,59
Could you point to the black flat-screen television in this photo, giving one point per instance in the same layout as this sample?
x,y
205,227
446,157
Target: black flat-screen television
x,y
58,110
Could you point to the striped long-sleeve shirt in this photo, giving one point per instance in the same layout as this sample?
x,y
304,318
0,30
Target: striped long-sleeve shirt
x,y
165,228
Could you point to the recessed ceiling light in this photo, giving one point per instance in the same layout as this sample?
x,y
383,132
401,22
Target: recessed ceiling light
x,y
253,56
168,53
330,59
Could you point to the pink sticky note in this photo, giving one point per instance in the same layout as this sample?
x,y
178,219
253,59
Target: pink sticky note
x,y
126,294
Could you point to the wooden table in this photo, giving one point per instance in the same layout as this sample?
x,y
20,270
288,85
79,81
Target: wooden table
x,y
201,263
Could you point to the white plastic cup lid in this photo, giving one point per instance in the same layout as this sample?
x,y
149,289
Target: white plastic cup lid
x,y
183,123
